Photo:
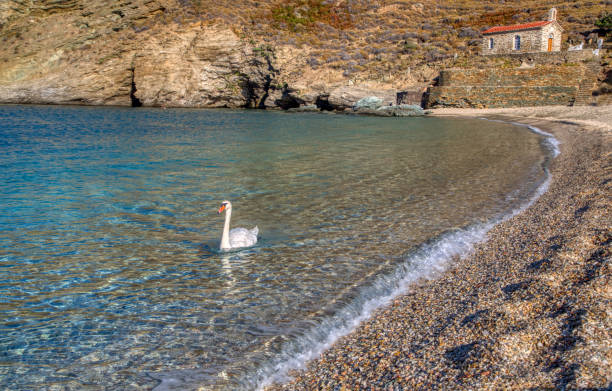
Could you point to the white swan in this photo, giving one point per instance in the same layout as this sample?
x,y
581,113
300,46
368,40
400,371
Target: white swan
x,y
238,237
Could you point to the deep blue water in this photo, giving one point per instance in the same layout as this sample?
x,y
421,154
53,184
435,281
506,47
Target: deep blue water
x,y
110,273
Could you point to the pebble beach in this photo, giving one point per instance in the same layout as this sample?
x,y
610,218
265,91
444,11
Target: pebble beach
x,y
529,308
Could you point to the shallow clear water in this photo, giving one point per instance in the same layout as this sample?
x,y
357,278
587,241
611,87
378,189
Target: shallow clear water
x,y
110,275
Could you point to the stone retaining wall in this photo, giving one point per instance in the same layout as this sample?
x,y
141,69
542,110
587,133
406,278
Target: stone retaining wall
x,y
544,75
507,87
409,97
573,56
509,96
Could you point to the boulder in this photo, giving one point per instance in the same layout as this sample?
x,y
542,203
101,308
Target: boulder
x,y
403,110
347,96
393,111
369,102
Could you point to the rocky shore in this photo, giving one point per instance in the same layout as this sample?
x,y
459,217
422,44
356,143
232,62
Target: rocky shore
x,y
529,309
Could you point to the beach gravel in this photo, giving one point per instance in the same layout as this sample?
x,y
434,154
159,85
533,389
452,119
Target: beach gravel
x,y
530,308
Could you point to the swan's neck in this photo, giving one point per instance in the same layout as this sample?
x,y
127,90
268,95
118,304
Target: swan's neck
x,y
225,243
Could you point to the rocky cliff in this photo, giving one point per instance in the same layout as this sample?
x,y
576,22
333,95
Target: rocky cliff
x,y
76,52
261,54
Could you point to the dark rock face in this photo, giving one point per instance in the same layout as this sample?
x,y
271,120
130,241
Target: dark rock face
x,y
322,102
289,99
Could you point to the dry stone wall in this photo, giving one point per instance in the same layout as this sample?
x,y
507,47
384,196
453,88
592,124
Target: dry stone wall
x,y
507,87
486,96
543,75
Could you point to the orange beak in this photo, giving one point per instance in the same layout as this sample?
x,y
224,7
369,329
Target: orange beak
x,y
221,209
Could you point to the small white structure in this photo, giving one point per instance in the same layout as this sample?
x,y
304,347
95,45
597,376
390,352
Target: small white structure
x,y
543,36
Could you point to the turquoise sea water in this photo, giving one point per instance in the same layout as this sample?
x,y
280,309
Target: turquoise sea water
x,y
110,274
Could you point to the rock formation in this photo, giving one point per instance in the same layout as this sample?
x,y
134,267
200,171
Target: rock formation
x,y
129,53
243,53
86,56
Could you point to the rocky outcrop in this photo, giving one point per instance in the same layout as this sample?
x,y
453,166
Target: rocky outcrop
x,y
239,53
111,53
198,68
373,105
115,53
393,111
346,97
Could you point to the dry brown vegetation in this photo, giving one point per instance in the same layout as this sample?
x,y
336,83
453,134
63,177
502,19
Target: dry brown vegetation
x,y
374,38
361,39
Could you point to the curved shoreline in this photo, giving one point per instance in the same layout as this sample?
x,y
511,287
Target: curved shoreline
x,y
528,309
426,262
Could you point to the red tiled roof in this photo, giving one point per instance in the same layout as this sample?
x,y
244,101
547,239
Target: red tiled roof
x,y
526,26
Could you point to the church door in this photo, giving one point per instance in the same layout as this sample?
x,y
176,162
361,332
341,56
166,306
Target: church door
x,y
550,44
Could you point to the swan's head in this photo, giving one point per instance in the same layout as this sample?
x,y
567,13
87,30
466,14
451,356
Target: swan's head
x,y
225,205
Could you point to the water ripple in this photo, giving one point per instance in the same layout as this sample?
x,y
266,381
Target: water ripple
x,y
110,271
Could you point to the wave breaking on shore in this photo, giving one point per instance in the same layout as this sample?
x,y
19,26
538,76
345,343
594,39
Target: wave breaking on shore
x,y
426,262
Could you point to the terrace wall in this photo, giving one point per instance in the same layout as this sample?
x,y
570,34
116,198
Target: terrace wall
x,y
539,85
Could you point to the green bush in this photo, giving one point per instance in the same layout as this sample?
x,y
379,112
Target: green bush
x,y
605,23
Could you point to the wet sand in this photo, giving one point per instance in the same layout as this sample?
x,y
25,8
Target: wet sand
x,y
531,307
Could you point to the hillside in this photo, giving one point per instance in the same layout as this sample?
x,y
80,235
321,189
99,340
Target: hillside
x,y
246,53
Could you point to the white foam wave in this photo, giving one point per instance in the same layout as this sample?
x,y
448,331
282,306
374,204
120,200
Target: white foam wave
x,y
427,262
550,140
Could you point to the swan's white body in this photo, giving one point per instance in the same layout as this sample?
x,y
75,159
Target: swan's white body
x,y
238,237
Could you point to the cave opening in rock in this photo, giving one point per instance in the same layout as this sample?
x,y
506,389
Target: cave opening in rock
x,y
323,103
135,101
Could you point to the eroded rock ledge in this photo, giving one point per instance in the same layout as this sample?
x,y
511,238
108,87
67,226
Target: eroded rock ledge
x,y
87,56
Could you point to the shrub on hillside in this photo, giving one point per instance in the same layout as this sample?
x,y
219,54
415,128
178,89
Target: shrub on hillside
x,y
409,46
605,23
313,62
468,32
298,14
434,55
424,37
